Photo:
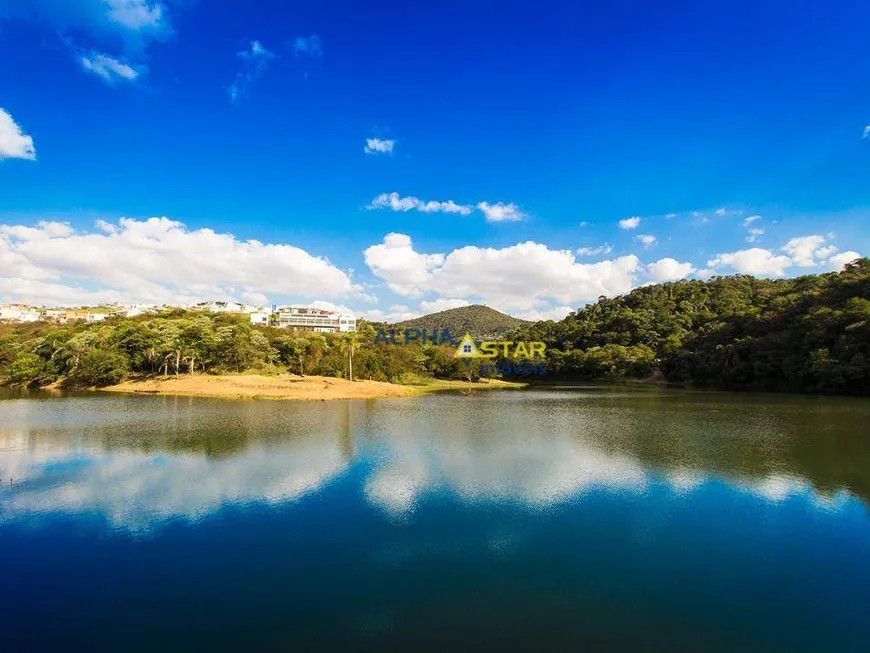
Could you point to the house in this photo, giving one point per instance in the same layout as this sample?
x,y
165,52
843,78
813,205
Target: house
x,y
19,313
300,318
260,318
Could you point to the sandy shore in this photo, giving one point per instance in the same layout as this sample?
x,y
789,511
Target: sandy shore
x,y
287,386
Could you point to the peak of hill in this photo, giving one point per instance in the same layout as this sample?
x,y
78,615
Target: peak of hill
x,y
478,320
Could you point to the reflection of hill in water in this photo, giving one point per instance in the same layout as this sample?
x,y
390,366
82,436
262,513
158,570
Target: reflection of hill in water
x,y
141,460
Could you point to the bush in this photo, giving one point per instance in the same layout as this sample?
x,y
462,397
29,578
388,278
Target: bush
x,y
26,369
100,367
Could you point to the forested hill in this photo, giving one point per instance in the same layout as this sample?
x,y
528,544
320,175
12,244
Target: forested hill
x,y
480,321
809,334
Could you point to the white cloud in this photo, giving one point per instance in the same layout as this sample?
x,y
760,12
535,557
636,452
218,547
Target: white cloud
x,y
500,212
555,313
705,273
133,20
806,251
669,269
310,46
605,249
109,68
721,212
752,218
754,234
839,261
441,305
630,223
753,261
379,146
646,240
256,59
14,143
155,261
396,313
802,251
526,276
135,14
394,202
396,262
866,133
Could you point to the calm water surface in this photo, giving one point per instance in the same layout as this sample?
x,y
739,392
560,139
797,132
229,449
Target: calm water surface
x,y
596,519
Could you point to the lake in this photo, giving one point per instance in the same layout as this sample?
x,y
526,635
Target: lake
x,y
559,519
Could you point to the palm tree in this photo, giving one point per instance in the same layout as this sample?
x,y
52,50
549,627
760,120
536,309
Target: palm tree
x,y
349,344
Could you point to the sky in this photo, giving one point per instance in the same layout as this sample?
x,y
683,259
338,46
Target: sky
x,y
393,159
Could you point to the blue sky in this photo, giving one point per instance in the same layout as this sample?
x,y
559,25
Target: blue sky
x,y
512,134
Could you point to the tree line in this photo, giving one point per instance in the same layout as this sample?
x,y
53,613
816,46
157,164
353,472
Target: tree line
x,y
808,334
186,342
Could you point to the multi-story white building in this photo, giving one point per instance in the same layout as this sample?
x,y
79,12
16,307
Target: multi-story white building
x,y
299,318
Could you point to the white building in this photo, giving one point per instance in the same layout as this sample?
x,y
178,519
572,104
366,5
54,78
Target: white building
x,y
300,318
260,319
19,313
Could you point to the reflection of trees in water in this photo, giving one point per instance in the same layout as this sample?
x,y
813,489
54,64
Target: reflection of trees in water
x,y
535,445
142,457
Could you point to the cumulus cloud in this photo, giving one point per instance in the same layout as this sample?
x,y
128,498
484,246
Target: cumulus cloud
x,y
807,251
802,251
108,68
397,313
14,143
379,146
866,133
256,59
646,240
555,313
498,212
308,46
753,261
526,276
669,269
405,270
752,218
630,223
839,261
605,249
441,305
157,260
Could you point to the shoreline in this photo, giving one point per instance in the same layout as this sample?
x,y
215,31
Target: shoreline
x,y
291,387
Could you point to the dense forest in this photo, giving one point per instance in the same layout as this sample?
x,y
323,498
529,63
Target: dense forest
x,y
808,334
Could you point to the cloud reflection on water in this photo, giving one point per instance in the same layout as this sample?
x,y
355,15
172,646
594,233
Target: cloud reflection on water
x,y
138,473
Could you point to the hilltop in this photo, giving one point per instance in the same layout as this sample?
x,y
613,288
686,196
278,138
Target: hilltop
x,y
478,320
